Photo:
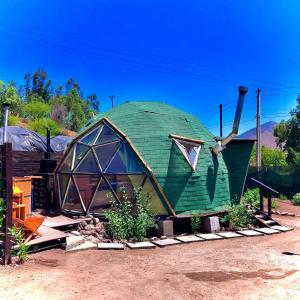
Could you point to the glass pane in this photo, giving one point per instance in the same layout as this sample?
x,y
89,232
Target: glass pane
x,y
87,186
88,164
68,162
72,200
128,181
101,200
63,180
80,151
90,138
105,153
155,203
107,135
125,161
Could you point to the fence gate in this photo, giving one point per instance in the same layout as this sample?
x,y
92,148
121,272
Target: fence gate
x,y
6,194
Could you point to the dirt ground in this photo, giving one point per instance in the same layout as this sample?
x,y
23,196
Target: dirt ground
x,y
243,268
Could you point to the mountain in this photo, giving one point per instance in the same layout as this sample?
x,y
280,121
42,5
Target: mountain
x,y
267,136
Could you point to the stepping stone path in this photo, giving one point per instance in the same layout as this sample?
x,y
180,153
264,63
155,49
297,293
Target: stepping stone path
x,y
166,242
141,245
267,230
250,233
229,235
110,246
188,238
74,241
281,228
209,236
87,245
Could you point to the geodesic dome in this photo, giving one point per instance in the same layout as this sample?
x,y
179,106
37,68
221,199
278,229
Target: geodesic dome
x,y
97,163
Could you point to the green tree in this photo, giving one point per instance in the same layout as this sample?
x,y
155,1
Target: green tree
x,y
269,157
36,110
41,125
287,135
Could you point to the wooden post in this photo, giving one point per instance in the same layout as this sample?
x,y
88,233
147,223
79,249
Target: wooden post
x,y
261,199
221,120
269,204
7,194
258,132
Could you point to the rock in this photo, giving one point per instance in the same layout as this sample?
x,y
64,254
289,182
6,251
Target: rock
x,y
154,238
83,224
291,214
88,227
75,232
163,237
81,217
96,221
284,213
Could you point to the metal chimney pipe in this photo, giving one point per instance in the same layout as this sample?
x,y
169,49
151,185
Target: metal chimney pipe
x,y
6,111
236,124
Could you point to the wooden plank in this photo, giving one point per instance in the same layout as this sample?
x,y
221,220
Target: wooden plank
x,y
60,221
186,139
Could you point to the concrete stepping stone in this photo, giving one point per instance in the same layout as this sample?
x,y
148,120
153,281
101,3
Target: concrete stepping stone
x,y
88,245
74,241
281,228
110,246
209,236
166,242
188,238
229,234
250,232
141,245
267,230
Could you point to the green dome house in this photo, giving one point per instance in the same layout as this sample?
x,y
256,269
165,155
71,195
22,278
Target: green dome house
x,y
155,146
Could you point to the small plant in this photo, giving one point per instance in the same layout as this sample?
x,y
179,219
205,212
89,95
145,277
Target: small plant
x,y
273,203
195,223
238,217
22,249
296,199
252,197
283,197
127,220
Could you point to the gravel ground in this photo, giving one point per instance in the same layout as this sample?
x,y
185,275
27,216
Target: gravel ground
x,y
242,268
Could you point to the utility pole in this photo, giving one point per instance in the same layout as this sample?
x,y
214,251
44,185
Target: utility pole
x,y
258,131
112,100
221,120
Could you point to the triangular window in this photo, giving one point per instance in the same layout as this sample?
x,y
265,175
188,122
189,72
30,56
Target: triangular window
x,y
190,151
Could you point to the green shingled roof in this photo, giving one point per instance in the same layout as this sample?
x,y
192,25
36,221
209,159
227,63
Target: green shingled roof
x,y
148,125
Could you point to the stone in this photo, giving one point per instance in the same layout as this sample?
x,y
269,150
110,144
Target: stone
x,y
141,245
75,232
211,224
291,214
88,245
267,230
110,246
73,241
281,228
88,227
209,236
83,224
96,221
188,238
284,213
163,237
166,242
154,238
250,233
229,234
166,228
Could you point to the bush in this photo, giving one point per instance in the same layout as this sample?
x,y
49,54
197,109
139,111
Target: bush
x,y
2,212
36,110
128,221
283,197
296,199
195,223
13,120
273,203
238,217
252,197
41,125
22,249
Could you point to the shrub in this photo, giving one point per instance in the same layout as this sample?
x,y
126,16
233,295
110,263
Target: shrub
x,y
252,197
2,212
41,125
238,217
36,110
195,223
13,120
22,249
296,199
127,220
273,203
283,197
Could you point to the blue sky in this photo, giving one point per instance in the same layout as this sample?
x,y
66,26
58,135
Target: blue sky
x,y
190,54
